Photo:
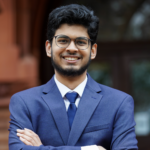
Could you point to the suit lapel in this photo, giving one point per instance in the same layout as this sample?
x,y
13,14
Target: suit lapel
x,y
88,103
56,104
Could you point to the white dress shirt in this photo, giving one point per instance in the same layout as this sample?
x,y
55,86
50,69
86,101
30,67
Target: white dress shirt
x,y
64,90
79,89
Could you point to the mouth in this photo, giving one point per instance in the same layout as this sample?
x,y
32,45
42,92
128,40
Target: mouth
x,y
71,59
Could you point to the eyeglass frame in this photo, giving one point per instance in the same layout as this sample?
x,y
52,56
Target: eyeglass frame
x,y
74,41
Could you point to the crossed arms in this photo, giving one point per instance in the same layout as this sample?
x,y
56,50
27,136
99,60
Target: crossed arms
x,y
21,118
28,137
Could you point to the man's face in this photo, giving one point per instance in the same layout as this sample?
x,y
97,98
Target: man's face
x,y
70,61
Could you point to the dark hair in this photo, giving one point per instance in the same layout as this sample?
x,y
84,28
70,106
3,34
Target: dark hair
x,y
73,14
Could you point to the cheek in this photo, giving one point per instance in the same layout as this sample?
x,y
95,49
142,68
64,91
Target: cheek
x,y
87,55
56,53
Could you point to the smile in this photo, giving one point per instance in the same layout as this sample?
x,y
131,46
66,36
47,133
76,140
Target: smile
x,y
71,58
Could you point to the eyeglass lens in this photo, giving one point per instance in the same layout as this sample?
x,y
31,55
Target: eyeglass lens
x,y
80,42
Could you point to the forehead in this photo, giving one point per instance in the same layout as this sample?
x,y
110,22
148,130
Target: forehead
x,y
72,31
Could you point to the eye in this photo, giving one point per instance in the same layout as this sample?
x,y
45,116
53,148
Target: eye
x,y
81,42
62,40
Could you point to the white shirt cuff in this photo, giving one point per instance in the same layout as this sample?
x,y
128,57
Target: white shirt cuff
x,y
91,147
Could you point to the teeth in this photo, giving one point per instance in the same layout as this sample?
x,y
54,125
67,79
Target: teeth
x,y
71,58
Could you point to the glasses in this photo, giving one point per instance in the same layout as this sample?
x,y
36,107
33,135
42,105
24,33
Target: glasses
x,y
81,43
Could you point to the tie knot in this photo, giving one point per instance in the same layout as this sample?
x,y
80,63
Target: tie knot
x,y
72,97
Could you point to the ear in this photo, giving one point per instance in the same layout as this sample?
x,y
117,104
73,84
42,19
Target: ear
x,y
48,48
94,51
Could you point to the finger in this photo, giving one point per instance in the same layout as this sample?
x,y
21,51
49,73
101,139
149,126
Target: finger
x,y
24,136
27,138
25,129
29,130
30,136
25,132
33,135
20,130
25,141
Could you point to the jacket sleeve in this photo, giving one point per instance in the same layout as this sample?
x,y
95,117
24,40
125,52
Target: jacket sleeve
x,y
124,137
20,119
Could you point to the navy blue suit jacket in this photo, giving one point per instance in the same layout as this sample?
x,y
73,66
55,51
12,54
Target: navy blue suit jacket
x,y
104,117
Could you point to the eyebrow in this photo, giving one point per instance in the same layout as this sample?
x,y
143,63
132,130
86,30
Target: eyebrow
x,y
72,38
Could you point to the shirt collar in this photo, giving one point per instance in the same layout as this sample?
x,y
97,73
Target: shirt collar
x,y
63,89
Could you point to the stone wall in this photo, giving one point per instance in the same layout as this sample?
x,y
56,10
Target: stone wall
x,y
18,67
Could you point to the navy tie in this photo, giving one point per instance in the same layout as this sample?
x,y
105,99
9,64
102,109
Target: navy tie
x,y
72,107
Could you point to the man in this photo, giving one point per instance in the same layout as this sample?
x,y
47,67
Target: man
x,y
72,111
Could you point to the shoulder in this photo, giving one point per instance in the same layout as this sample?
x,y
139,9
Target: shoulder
x,y
112,91
33,95
30,92
115,96
28,96
108,93
116,102
38,90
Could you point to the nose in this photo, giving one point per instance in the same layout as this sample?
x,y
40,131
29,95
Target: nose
x,y
72,47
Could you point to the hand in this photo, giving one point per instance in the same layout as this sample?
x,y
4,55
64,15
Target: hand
x,y
28,137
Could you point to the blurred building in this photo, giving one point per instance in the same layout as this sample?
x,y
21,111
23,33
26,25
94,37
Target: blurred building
x,y
123,59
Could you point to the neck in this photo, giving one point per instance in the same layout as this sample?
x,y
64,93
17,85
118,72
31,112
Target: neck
x,y
70,82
